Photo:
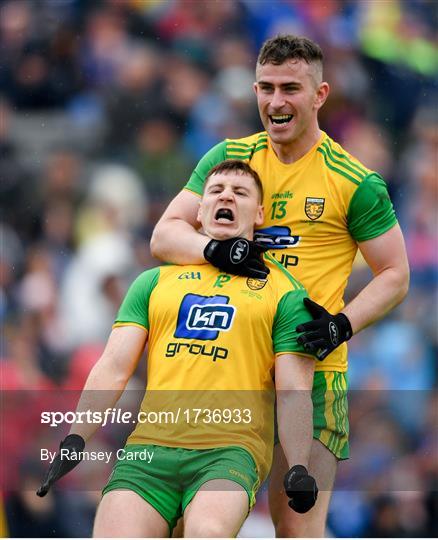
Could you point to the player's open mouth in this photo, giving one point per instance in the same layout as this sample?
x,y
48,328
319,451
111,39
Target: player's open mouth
x,y
279,119
224,215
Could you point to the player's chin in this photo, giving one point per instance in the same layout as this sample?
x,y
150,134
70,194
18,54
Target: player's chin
x,y
282,135
222,232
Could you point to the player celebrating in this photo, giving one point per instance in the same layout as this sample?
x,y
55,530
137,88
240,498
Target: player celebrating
x,y
215,342
321,205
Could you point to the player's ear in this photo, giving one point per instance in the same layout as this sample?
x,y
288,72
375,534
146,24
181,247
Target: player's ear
x,y
260,216
198,217
321,95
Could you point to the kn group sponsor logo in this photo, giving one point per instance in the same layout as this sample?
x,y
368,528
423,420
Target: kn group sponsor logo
x,y
276,237
314,207
203,317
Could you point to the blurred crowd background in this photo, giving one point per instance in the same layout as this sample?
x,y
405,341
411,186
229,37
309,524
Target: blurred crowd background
x,y
105,108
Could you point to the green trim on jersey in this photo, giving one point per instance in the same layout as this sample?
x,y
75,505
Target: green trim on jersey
x,y
227,149
319,391
331,166
214,156
239,150
345,165
339,412
355,164
295,283
135,306
370,212
330,411
290,313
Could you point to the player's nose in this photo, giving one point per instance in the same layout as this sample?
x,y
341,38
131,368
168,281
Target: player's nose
x,y
226,195
277,99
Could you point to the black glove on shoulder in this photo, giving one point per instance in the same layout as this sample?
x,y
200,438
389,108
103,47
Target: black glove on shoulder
x,y
325,333
68,457
237,256
301,489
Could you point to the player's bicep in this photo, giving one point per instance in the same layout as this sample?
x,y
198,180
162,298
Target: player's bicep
x,y
386,251
123,350
294,372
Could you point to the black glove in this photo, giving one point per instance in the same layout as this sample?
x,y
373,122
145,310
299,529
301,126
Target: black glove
x,y
62,464
301,488
237,256
326,332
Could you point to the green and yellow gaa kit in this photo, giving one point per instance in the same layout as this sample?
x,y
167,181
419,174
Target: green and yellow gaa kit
x,y
208,409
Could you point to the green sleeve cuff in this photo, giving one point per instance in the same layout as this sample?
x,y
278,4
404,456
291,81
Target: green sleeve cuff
x,y
370,213
135,306
290,313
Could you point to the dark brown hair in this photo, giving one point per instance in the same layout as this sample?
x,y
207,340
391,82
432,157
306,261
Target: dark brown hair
x,y
236,165
285,47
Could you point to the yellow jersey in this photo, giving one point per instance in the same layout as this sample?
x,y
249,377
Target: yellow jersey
x,y
212,342
316,211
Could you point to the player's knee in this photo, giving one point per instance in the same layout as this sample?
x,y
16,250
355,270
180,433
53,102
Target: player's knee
x,y
290,529
206,529
299,526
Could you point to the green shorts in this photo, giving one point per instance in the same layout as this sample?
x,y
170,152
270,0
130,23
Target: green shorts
x,y
330,412
171,478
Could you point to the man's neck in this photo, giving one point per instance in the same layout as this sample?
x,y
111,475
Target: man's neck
x,y
289,153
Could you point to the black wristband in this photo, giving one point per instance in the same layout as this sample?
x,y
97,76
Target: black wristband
x,y
210,249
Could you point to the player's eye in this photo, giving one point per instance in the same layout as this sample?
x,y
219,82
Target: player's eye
x,y
266,89
291,89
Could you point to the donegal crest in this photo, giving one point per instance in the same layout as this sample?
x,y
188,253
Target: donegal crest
x,y
314,207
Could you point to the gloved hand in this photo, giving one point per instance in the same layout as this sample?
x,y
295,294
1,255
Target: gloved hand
x,y
65,461
237,256
326,332
301,488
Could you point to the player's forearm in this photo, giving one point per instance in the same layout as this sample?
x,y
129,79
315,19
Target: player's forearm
x,y
295,425
384,292
176,241
102,390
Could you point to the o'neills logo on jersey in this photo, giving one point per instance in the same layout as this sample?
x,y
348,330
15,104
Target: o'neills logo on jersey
x,y
314,207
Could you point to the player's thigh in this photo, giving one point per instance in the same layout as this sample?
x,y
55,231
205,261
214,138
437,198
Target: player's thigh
x,y
323,467
124,513
218,509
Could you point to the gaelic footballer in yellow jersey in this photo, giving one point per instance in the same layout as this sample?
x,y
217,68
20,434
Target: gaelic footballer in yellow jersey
x,y
316,210
215,342
212,341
